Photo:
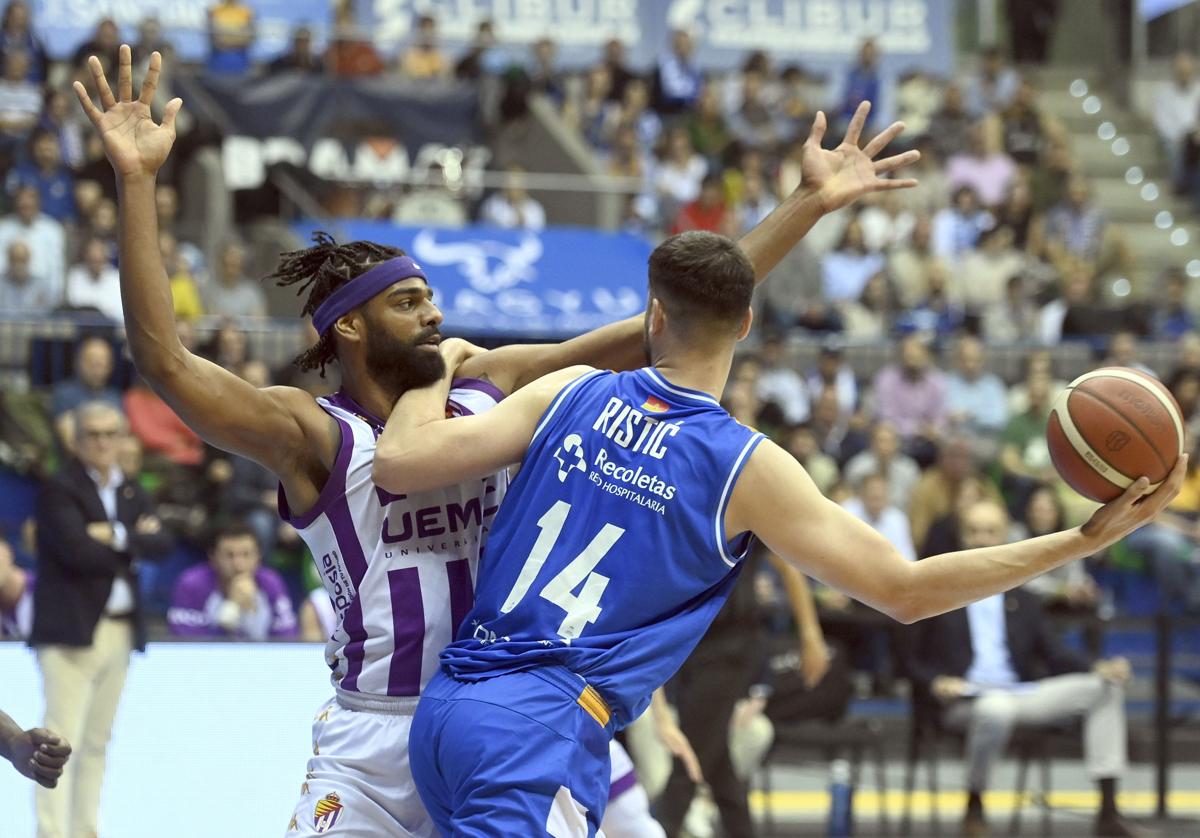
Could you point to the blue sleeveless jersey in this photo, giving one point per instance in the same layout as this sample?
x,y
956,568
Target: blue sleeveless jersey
x,y
609,555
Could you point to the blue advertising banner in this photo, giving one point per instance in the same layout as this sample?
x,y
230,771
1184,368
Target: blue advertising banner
x,y
66,24
819,34
490,282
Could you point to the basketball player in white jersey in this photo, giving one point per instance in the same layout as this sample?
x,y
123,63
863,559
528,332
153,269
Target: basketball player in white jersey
x,y
399,569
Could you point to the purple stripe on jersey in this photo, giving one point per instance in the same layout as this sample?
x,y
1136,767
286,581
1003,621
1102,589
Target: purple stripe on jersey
x,y
342,400
335,485
459,410
482,386
622,785
462,595
342,522
408,629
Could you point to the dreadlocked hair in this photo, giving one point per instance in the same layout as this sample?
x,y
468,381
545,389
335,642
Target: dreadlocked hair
x,y
322,269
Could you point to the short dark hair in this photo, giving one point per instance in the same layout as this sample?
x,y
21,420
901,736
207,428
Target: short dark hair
x,y
232,529
703,279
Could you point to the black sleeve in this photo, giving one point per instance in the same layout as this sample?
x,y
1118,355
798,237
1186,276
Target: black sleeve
x,y
62,535
910,647
1058,657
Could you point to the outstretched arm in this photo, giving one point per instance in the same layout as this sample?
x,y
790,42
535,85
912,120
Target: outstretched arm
x,y
272,426
832,179
777,501
417,451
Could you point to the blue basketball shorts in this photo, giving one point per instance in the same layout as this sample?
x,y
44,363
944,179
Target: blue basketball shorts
x,y
523,753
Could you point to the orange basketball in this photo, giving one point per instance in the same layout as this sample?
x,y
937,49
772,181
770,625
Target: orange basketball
x,y
1112,426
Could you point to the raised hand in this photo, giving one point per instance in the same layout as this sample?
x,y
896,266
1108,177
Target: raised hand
x,y
842,175
136,145
1134,508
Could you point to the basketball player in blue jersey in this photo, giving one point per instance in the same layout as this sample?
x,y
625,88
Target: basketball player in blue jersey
x,y
399,567
620,538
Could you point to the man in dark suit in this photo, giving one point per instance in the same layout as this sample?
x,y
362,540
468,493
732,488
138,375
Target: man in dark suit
x,y
91,527
996,664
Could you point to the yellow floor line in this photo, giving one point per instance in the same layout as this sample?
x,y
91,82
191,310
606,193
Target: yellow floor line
x,y
952,802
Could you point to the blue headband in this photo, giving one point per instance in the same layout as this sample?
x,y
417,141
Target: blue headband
x,y
362,288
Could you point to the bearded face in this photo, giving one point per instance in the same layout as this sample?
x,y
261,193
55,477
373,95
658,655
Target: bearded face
x,y
400,365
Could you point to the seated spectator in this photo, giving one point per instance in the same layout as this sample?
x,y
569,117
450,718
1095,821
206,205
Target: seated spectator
x,y
976,400
958,227
231,293
996,664
1013,319
351,53
1173,316
1076,294
16,34
1070,587
910,264
185,294
1017,214
300,58
865,82
618,68
802,444
707,212
995,86
228,347
751,163
836,430
424,59
60,119
944,534
1048,181
105,44
940,313
544,76
95,283
677,79
1025,127
231,34
47,174
1078,231
911,396
474,62
1024,455
793,296
20,100
1038,363
932,191
166,203
16,596
833,372
677,178
588,113
779,382
706,126
159,428
150,40
884,458
933,495
845,271
872,315
1176,113
872,505
634,112
89,381
431,203
232,595
757,202
1123,352
983,166
513,207
21,291
755,124
887,223
950,125
984,271
918,96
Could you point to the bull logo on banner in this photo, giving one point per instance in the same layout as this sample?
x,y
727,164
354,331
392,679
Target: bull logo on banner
x,y
489,266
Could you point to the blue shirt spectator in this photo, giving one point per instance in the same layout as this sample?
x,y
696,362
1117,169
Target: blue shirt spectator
x,y
845,271
93,369
47,174
976,400
865,82
16,33
231,33
677,80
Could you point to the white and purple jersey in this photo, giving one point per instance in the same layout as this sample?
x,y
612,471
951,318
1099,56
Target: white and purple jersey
x,y
400,569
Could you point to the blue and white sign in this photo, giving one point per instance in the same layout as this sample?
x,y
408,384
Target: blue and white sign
x,y
819,34
490,282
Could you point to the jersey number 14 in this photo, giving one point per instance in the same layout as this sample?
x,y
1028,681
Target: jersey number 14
x,y
581,608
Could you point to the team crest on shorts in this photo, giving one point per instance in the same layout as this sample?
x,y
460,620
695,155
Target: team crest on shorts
x,y
329,809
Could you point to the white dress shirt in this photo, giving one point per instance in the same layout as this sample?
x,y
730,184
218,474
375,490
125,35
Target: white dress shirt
x,y
991,665
120,598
